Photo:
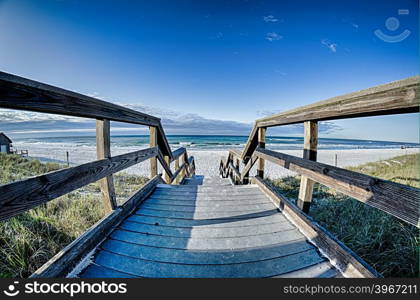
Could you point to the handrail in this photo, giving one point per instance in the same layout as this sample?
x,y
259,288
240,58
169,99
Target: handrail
x,y
24,94
395,199
397,97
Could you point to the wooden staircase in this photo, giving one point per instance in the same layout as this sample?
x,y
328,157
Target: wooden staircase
x,y
207,228
182,225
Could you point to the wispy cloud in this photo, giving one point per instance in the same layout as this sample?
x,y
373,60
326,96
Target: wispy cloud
x,y
18,123
330,45
280,72
273,36
354,25
270,19
219,35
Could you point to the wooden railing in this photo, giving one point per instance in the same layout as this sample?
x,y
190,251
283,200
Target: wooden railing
x,y
393,198
23,94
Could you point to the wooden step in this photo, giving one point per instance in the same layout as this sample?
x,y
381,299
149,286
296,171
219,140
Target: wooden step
x,y
207,229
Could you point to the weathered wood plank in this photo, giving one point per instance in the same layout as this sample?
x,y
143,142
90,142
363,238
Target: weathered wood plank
x,y
235,170
181,256
178,153
95,271
168,176
310,144
204,215
252,220
178,170
257,269
345,259
191,166
63,262
103,151
393,198
261,144
165,166
21,93
393,98
321,270
260,240
214,208
236,154
251,144
199,232
153,160
21,196
163,141
206,203
175,178
247,168
24,94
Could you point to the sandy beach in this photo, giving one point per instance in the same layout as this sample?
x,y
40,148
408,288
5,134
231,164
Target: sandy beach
x,y
207,162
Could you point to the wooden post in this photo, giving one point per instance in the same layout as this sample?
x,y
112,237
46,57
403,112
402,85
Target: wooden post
x,y
153,143
103,150
237,180
166,176
176,180
67,157
187,170
310,143
261,144
182,173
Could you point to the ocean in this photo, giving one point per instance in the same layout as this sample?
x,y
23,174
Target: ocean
x,y
215,142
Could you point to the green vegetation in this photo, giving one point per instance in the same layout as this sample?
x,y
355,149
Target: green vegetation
x,y
29,240
389,245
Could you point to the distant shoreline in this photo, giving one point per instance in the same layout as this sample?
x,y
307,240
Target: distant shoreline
x,y
207,161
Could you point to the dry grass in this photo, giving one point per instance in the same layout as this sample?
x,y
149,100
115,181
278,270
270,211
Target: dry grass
x,y
32,238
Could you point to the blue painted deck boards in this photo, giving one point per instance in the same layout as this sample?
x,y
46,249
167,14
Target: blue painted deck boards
x,y
207,228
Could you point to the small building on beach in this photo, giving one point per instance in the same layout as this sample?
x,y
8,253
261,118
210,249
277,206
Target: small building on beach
x,y
5,143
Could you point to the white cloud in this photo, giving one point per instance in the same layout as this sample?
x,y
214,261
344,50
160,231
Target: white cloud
x,y
273,36
330,45
280,72
270,19
356,26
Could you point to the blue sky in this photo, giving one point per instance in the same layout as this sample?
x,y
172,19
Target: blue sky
x,y
211,66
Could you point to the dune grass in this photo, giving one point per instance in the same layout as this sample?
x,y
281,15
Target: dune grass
x,y
389,245
30,239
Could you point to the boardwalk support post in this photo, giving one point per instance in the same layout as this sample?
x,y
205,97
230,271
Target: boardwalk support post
x,y
310,143
103,151
261,144
153,143
176,180
167,176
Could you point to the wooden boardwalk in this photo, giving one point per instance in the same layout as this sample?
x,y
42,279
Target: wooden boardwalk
x,y
182,225
207,228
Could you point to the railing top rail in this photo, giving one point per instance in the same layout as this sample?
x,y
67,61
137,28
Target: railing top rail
x,y
392,98
25,94
397,97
